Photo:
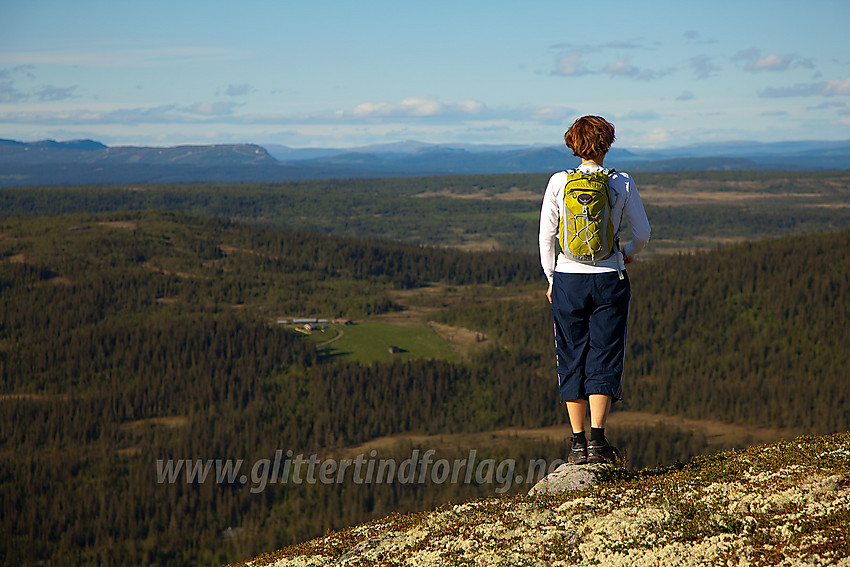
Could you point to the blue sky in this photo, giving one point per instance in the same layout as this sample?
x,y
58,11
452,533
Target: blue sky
x,y
324,73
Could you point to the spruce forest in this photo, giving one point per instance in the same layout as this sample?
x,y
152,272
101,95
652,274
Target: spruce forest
x,y
145,324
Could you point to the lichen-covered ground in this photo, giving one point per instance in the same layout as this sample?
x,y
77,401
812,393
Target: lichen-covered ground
x,y
787,503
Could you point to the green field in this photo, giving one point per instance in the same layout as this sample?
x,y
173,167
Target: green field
x,y
370,341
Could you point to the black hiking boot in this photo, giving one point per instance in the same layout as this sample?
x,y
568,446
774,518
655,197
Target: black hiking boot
x,y
601,452
578,452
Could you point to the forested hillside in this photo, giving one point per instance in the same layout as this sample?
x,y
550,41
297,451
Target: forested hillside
x,y
751,333
137,337
688,210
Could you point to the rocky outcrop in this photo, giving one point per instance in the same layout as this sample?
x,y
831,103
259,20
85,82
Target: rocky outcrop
x,y
782,504
568,477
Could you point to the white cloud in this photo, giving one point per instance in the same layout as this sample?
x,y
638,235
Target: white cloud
x,y
373,109
686,95
703,66
414,107
239,90
49,93
755,63
800,89
838,87
422,107
471,106
694,36
8,92
210,108
621,67
570,65
550,114
422,114
805,63
162,114
827,105
656,136
571,61
769,63
197,113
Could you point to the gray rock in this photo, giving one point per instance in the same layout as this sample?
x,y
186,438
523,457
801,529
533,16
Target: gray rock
x,y
568,477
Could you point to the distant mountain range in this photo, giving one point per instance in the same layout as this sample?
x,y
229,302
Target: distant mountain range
x,y
86,161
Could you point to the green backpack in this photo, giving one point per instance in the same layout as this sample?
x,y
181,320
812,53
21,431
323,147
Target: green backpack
x,y
585,231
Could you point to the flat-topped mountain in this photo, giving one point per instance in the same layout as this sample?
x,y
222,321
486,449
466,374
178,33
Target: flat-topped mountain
x,y
80,162
92,152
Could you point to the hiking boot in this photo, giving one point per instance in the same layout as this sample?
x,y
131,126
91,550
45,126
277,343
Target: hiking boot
x,y
601,452
578,453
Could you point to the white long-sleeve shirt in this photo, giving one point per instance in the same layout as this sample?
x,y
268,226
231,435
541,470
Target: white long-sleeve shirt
x,y
626,205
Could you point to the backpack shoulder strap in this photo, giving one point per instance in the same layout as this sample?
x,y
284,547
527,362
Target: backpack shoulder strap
x,y
609,173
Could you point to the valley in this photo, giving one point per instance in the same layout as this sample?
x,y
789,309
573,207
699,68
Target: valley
x,y
142,326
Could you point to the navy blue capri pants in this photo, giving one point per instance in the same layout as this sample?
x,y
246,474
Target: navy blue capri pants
x,y
591,313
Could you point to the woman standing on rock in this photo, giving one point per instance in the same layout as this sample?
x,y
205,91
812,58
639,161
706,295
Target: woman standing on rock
x,y
588,288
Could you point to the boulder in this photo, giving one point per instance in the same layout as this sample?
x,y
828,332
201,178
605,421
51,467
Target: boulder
x,y
568,477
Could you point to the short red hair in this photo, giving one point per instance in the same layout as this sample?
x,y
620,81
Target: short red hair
x,y
589,137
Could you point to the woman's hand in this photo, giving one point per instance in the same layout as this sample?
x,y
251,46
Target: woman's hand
x,y
626,259
549,293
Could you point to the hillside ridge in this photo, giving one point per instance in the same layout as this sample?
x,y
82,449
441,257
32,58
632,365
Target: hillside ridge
x,y
787,503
